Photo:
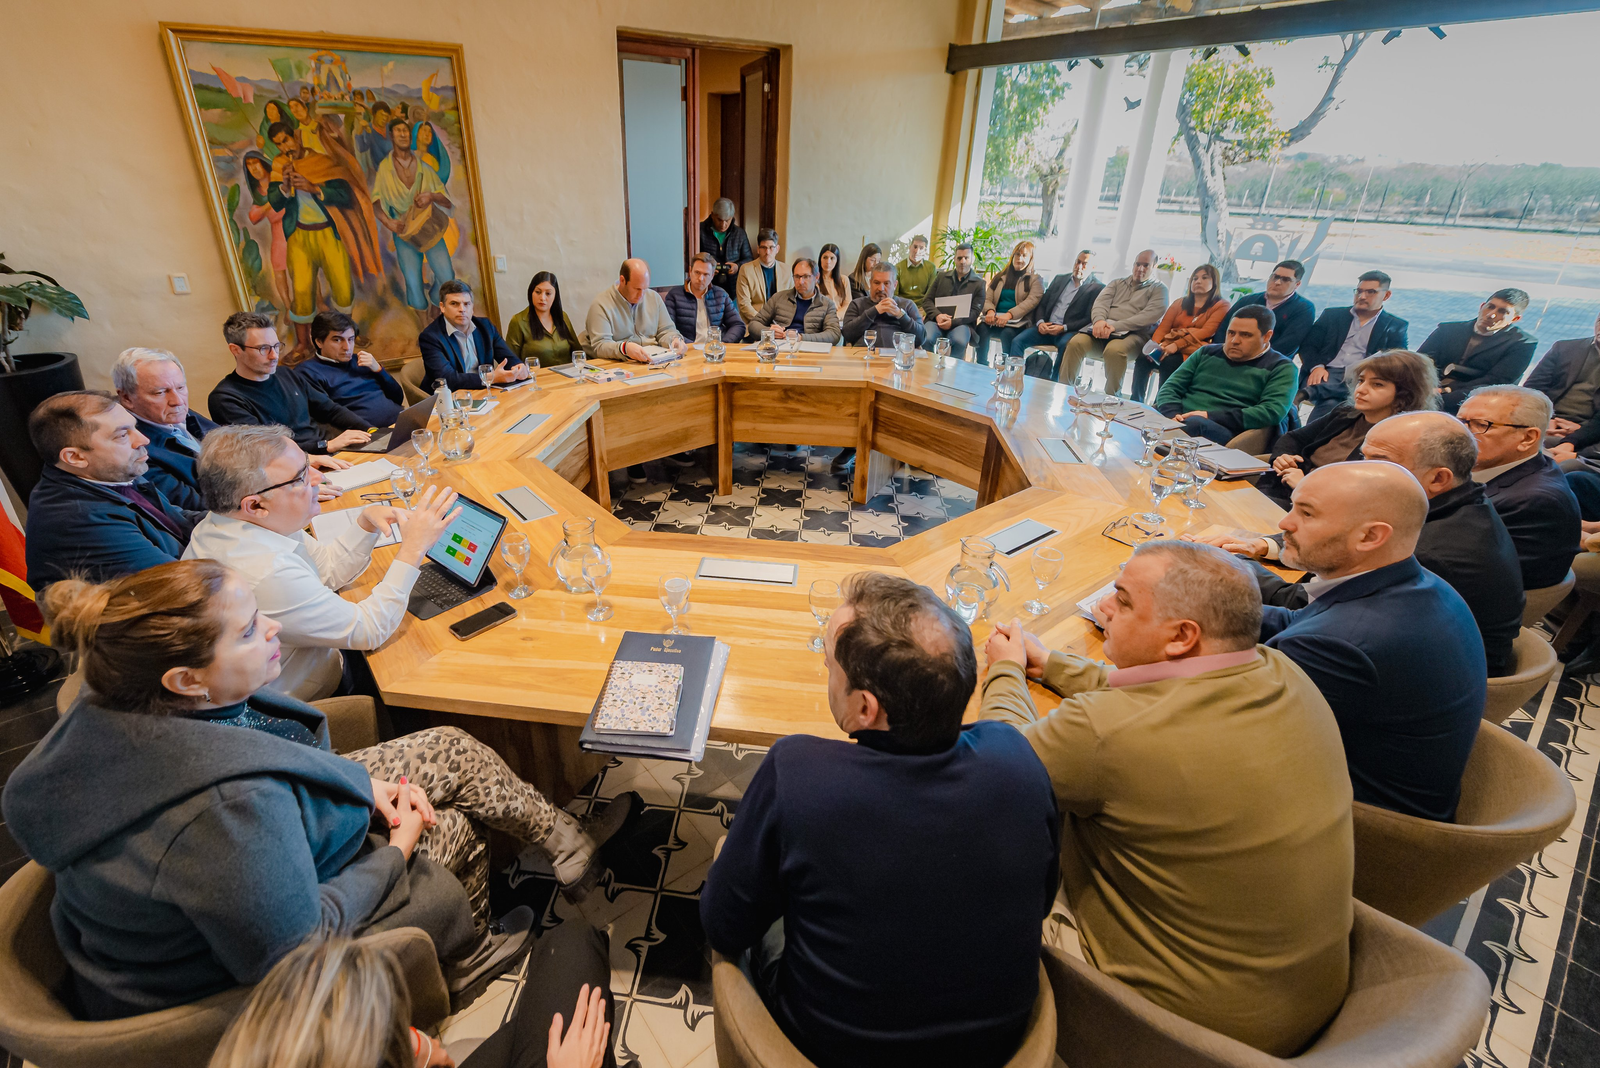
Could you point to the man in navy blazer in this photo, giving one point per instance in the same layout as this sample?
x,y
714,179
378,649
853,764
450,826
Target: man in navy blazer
x,y
1343,336
1528,489
1390,645
1486,351
1293,313
151,384
93,513
456,342
1569,375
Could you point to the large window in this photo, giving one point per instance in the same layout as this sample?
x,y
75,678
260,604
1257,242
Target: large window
x,y
1439,160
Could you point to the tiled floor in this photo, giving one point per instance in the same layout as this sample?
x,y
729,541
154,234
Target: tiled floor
x,y
788,495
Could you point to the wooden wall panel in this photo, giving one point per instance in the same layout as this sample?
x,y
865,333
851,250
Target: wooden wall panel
x,y
950,446
803,414
661,422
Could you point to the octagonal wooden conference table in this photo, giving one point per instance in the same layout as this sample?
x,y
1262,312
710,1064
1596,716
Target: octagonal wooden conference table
x,y
526,687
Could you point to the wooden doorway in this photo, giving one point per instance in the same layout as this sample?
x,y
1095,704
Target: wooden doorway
x,y
758,174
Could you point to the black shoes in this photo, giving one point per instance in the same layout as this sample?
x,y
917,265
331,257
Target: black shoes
x,y
509,938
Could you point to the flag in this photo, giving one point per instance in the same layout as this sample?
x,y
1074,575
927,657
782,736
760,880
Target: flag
x,y
429,97
15,593
290,69
229,83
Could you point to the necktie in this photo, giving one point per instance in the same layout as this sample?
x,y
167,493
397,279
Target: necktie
x,y
152,510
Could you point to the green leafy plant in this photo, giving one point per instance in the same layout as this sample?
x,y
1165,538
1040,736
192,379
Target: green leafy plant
x,y
997,231
18,298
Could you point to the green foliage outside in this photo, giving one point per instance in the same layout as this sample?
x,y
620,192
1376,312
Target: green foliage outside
x,y
1023,97
1228,107
992,239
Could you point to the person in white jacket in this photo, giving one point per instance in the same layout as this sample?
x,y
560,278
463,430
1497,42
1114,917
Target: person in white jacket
x,y
260,492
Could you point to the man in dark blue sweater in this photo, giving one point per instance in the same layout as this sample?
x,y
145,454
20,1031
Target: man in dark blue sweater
x,y
845,858
354,379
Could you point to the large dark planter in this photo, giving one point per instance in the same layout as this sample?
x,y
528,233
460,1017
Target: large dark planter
x,y
38,375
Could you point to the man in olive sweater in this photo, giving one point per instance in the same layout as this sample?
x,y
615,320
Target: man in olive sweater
x,y
917,272
1223,390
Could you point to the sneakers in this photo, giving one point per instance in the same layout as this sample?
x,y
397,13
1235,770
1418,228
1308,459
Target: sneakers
x,y
507,940
573,848
636,474
681,460
842,462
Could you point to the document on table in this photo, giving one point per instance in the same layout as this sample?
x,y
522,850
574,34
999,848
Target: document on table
x,y
815,346
763,571
329,526
526,504
1086,606
956,307
656,354
360,475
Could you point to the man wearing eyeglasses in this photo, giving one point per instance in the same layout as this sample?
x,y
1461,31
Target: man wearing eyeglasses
x,y
1343,336
261,490
258,391
1293,313
1486,351
1528,489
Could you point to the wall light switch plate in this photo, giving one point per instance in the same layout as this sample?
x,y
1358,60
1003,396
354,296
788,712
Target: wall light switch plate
x,y
500,265
180,284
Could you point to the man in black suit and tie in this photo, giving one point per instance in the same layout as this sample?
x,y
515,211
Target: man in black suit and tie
x,y
1486,351
1067,308
1343,336
1569,375
1293,313
456,342
150,384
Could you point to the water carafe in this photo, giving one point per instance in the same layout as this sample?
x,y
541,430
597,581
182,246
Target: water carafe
x,y
573,532
977,568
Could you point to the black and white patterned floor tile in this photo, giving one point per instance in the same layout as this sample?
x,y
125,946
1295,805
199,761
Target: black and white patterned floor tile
x,y
788,495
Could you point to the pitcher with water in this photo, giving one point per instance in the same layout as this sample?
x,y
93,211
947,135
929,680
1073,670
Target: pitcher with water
x,y
977,568
574,532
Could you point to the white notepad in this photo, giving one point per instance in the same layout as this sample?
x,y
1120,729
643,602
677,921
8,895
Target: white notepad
x,y
360,475
1086,606
815,346
763,571
330,526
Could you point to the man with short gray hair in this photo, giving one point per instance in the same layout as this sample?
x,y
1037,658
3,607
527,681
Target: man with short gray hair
x,y
151,384
1528,488
1202,776
727,243
261,490
879,309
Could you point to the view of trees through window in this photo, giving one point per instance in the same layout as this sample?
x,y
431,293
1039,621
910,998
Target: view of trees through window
x,y
1436,159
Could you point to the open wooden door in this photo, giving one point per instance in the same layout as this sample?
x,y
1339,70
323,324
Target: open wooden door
x,y
759,166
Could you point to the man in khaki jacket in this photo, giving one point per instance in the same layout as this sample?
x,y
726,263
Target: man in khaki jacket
x,y
1207,851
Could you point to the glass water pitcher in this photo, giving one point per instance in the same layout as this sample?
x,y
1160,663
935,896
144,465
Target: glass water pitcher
x,y
977,568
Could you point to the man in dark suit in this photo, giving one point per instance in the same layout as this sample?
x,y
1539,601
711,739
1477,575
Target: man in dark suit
x,y
1486,351
1569,375
1067,308
93,513
1388,643
1343,336
151,384
1529,491
727,242
456,342
1294,314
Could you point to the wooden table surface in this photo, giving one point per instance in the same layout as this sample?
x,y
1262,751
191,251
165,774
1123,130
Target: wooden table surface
x,y
547,665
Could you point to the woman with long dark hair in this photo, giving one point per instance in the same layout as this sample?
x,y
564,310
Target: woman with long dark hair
x,y
1189,323
542,330
831,278
861,277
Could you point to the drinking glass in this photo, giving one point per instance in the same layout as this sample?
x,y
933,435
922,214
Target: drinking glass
x,y
580,361
404,483
1202,473
418,468
824,597
674,591
597,572
714,347
968,602
791,343
1151,435
422,441
941,351
533,372
464,406
905,353
515,551
485,373
869,338
1046,569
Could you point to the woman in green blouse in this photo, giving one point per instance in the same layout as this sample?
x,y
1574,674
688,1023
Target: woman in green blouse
x,y
542,330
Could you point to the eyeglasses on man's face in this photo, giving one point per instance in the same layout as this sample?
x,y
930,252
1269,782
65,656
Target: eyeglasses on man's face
x,y
1480,427
297,480
273,349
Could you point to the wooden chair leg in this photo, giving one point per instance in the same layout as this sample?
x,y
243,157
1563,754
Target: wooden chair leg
x,y
1587,603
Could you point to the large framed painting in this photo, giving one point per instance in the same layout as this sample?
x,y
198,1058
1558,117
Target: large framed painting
x,y
340,173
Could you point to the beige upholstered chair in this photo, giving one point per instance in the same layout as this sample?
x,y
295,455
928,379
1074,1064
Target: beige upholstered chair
x,y
1586,569
748,1037
352,722
410,376
1540,602
35,1024
1514,802
1253,441
1413,1003
1536,663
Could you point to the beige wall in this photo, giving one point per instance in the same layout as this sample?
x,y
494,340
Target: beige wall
x,y
99,186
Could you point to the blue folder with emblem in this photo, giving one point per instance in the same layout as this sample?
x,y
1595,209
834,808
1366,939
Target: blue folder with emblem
x,y
703,661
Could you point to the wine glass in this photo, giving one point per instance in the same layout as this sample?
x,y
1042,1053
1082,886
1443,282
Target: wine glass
x,y
419,470
941,351
1202,473
464,406
791,343
825,596
1151,435
533,371
404,484
1046,569
674,590
597,572
422,441
869,338
515,551
485,373
580,362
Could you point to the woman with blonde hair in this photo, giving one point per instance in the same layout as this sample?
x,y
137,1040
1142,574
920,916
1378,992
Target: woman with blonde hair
x,y
1009,303
199,825
343,1003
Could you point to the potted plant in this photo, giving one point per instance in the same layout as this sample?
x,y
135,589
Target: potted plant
x,y
28,378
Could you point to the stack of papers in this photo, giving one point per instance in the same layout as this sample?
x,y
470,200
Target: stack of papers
x,y
360,475
656,354
1233,463
330,526
1086,606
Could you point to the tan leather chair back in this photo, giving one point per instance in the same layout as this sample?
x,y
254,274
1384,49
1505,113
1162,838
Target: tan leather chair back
x,y
410,377
1514,802
1536,664
1540,602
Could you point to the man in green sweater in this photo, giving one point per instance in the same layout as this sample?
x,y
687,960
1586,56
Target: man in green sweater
x,y
1243,384
917,272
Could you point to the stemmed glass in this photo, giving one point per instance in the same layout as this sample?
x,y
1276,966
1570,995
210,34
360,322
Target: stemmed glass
x,y
824,597
597,572
674,590
418,468
580,361
533,371
941,351
791,343
422,441
1151,435
464,406
1046,569
515,551
1202,473
485,373
869,338
404,483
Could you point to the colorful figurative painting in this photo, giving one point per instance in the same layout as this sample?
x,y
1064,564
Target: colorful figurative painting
x,y
341,173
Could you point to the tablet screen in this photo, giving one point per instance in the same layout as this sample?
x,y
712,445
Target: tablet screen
x,y
466,545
